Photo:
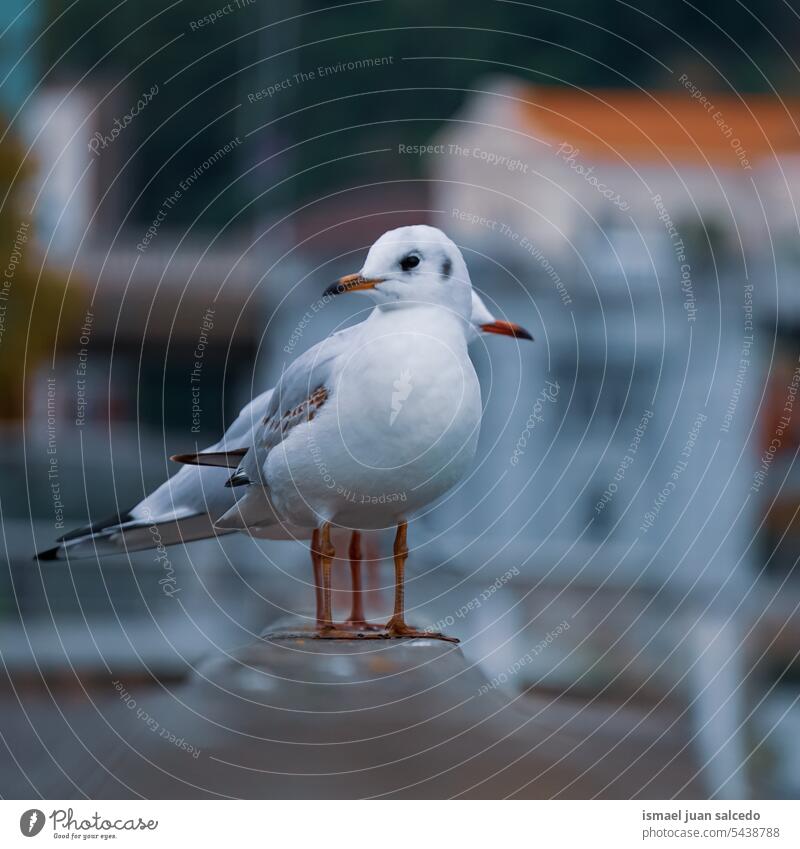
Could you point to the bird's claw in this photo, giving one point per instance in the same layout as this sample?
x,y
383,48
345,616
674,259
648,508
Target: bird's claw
x,y
397,628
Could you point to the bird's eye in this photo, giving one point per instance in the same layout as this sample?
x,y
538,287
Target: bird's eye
x,y
409,262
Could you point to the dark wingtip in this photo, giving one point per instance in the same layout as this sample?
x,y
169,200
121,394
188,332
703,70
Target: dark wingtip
x,y
96,527
49,554
220,459
190,459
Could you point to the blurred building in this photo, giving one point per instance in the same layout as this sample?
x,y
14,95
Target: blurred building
x,y
646,239
638,230
157,356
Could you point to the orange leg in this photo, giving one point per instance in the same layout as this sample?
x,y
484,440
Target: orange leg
x,y
316,561
327,629
357,609
396,627
327,553
357,621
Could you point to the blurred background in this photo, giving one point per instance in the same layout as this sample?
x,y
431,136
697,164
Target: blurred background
x,y
181,181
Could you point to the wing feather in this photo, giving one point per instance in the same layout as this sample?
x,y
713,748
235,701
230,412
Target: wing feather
x,y
303,389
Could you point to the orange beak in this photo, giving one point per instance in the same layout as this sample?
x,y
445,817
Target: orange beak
x,y
506,328
352,283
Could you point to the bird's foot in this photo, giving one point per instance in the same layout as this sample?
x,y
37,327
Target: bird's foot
x,y
334,632
360,625
397,628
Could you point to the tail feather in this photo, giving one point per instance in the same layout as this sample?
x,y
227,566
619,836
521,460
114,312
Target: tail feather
x,y
253,508
238,478
97,527
225,459
137,535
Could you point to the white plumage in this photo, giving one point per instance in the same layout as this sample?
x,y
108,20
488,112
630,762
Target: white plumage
x,y
361,431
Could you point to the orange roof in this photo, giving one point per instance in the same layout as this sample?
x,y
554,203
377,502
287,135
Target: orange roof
x,y
665,125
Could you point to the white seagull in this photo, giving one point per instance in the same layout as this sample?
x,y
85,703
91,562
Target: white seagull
x,y
372,425
187,506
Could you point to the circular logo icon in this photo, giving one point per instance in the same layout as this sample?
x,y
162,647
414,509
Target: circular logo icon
x,y
31,822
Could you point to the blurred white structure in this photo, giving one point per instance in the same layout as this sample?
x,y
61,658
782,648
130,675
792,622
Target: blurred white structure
x,y
649,242
637,231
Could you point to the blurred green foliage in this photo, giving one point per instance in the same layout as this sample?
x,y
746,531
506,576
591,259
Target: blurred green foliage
x,y
34,308
439,49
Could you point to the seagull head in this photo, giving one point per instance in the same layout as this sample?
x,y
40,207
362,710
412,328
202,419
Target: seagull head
x,y
482,321
411,266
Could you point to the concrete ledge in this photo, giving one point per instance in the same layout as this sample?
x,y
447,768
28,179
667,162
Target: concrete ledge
x,y
310,718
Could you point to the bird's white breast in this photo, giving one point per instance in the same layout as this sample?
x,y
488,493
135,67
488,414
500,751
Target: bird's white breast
x,y
400,427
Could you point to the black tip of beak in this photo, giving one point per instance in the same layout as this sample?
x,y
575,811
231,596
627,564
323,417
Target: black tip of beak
x,y
522,333
334,289
507,328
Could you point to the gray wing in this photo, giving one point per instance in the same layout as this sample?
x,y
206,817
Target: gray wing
x,y
304,387
238,435
202,488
